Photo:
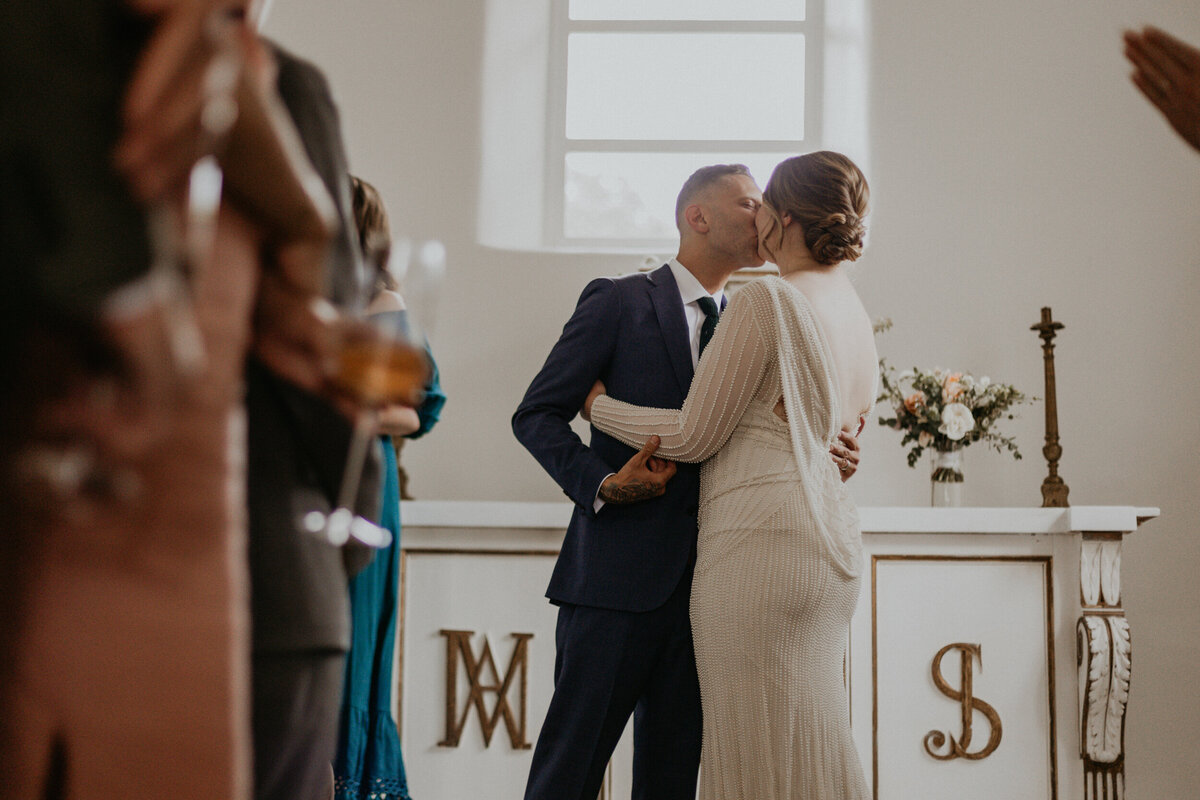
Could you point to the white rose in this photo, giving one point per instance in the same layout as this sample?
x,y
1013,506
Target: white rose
x,y
985,382
957,421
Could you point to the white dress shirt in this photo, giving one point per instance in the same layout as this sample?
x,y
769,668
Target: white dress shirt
x,y
690,292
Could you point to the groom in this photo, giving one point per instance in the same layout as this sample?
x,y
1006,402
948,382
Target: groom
x,y
624,575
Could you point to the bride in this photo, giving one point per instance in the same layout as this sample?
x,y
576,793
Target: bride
x,y
779,554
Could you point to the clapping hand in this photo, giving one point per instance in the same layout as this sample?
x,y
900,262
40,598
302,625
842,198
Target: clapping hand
x,y
1167,71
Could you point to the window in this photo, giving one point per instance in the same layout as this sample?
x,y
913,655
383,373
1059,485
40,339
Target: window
x,y
594,112
642,92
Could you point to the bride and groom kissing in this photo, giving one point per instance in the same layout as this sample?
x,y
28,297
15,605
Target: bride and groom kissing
x,y
709,595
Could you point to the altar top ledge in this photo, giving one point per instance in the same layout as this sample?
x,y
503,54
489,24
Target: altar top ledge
x,y
875,519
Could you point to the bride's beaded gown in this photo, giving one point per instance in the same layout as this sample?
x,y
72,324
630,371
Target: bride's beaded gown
x,y
779,552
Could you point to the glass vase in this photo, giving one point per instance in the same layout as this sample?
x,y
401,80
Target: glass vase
x,y
946,479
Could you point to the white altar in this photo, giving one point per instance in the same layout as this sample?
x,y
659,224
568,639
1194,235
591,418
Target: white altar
x,y
989,656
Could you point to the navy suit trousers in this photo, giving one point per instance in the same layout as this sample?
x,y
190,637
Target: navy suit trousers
x,y
611,664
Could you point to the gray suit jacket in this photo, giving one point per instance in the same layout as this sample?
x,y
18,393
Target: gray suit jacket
x,y
298,442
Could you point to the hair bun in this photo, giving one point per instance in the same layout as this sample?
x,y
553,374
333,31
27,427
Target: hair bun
x,y
836,238
827,194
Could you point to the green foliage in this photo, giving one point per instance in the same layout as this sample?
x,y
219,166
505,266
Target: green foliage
x,y
945,410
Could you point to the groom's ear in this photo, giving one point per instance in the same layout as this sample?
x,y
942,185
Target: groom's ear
x,y
693,215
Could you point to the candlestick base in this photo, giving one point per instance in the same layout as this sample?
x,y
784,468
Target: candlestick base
x,y
1054,493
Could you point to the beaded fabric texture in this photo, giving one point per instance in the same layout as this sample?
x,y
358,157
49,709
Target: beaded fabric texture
x,y
779,554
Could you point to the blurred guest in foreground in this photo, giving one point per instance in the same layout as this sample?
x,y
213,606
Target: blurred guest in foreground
x,y
125,610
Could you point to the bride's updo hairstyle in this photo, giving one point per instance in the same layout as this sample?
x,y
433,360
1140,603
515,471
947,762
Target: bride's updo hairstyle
x,y
827,195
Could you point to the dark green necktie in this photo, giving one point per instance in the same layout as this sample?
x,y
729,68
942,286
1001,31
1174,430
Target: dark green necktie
x,y
709,307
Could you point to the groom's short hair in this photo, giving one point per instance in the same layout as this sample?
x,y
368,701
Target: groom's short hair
x,y
700,180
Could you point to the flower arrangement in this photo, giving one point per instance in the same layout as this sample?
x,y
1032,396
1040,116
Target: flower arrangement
x,y
946,410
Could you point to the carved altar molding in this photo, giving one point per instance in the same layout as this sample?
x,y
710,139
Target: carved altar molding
x,y
1105,668
1100,570
1105,661
1104,655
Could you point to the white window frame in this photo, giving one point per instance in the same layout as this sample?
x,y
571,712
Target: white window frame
x,y
558,145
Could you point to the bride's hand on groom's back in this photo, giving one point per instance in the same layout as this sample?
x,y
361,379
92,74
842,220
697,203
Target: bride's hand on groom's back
x,y
586,411
845,453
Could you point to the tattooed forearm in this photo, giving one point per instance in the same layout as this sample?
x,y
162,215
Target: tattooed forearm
x,y
632,492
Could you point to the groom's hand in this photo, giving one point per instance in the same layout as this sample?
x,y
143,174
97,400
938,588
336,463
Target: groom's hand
x,y
642,478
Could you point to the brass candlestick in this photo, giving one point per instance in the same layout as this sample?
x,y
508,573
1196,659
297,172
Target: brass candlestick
x,y
1054,490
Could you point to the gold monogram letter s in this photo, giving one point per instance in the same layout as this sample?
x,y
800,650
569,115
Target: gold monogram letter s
x,y
960,748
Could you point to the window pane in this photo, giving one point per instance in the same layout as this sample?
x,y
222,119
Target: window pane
x,y
648,86
688,9
629,196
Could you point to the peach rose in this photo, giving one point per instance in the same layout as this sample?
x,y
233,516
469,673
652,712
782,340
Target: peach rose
x,y
952,387
924,438
915,401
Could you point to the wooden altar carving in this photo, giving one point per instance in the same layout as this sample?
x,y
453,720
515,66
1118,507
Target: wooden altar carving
x,y
1105,660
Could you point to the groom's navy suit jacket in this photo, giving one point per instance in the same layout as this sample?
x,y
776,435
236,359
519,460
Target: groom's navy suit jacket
x,y
630,333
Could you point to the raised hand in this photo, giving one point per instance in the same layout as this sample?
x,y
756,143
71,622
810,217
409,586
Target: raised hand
x,y
1167,71
643,477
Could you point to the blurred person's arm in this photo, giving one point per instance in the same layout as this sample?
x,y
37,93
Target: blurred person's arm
x,y
199,67
205,84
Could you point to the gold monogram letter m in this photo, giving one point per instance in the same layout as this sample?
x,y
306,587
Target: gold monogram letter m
x,y
458,643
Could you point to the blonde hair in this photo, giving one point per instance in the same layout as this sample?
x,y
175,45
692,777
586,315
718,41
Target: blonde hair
x,y
827,194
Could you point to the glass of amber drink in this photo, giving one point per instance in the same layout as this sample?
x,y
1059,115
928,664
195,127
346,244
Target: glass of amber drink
x,y
382,361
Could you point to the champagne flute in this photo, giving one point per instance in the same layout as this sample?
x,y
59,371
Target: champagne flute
x,y
382,363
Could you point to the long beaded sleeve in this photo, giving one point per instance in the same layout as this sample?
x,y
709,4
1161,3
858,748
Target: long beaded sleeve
x,y
727,378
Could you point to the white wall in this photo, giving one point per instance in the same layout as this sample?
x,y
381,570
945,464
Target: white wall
x,y
1013,166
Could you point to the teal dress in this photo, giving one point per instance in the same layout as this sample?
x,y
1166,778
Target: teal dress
x,y
368,764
